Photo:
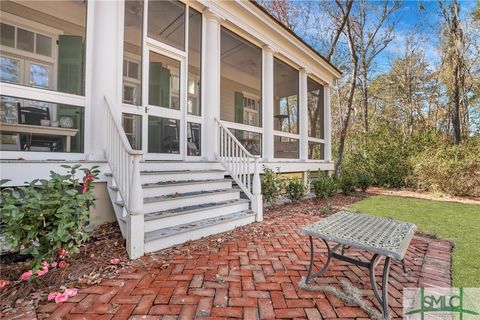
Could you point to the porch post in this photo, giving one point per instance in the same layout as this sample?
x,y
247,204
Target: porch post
x,y
211,83
303,105
267,105
328,123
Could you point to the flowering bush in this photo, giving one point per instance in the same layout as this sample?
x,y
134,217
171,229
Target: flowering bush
x,y
272,184
47,218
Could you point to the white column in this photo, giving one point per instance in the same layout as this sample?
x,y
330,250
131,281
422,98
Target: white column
x,y
102,71
211,83
267,103
328,123
303,105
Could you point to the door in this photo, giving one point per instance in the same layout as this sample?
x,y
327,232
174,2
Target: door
x,y
164,118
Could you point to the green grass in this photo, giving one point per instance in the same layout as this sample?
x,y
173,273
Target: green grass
x,y
453,221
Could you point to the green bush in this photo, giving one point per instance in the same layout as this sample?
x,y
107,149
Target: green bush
x,y
48,216
325,187
272,185
347,184
295,190
364,181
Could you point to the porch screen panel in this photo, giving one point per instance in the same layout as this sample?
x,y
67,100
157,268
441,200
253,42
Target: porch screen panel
x,y
48,50
316,116
132,52
164,82
194,62
241,80
166,22
163,135
285,148
316,151
286,88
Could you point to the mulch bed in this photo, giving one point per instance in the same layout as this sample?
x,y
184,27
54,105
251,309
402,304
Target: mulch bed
x,y
92,264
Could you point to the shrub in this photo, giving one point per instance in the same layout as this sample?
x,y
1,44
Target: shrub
x,y
295,189
272,185
347,184
48,216
325,187
364,181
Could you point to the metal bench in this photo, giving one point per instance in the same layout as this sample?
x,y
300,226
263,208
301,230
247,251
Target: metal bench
x,y
378,235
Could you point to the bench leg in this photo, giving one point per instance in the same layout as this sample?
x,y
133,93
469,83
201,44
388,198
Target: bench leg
x,y
386,269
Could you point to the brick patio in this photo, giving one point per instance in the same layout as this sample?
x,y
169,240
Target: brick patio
x,y
250,278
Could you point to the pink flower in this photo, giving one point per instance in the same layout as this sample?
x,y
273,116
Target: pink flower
x,y
115,261
61,297
41,272
62,253
45,264
4,283
53,264
52,295
26,275
71,292
62,264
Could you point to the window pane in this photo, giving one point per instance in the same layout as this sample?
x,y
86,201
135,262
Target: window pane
x,y
315,109
194,61
44,45
316,151
241,80
252,141
132,124
39,76
37,47
9,70
164,84
193,139
25,40
285,115
163,135
132,52
285,147
56,127
7,35
166,22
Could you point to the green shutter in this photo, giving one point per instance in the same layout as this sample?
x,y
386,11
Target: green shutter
x,y
238,107
159,85
70,64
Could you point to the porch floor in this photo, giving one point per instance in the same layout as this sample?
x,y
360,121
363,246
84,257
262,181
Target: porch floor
x,y
252,273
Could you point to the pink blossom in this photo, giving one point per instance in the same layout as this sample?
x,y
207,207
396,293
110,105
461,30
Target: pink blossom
x,y
4,283
71,292
52,295
62,253
61,297
53,264
26,275
45,264
41,272
62,264
115,261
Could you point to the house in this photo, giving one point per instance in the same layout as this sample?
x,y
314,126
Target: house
x,y
180,103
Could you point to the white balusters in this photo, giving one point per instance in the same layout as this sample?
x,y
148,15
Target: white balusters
x,y
237,161
124,163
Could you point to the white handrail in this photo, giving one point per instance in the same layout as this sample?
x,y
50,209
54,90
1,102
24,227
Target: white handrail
x,y
238,162
124,162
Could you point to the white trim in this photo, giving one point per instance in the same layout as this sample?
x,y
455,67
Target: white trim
x,y
286,134
162,47
317,140
241,126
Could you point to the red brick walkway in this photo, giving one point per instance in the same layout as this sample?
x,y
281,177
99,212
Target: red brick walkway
x,y
250,278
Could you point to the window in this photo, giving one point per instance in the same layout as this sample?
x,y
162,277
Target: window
x,y
164,83
315,110
285,147
32,125
241,79
193,139
286,88
316,150
34,54
132,124
194,61
166,22
132,52
163,135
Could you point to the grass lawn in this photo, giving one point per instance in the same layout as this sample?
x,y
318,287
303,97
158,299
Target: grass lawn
x,y
454,221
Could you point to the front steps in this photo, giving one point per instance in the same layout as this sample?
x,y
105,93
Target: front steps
x,y
183,201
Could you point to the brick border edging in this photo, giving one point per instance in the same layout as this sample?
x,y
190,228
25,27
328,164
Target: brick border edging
x,y
437,265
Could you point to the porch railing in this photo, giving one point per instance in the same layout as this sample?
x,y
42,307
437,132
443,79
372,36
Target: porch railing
x,y
239,163
124,163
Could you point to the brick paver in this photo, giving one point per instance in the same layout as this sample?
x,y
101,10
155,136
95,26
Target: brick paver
x,y
251,278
